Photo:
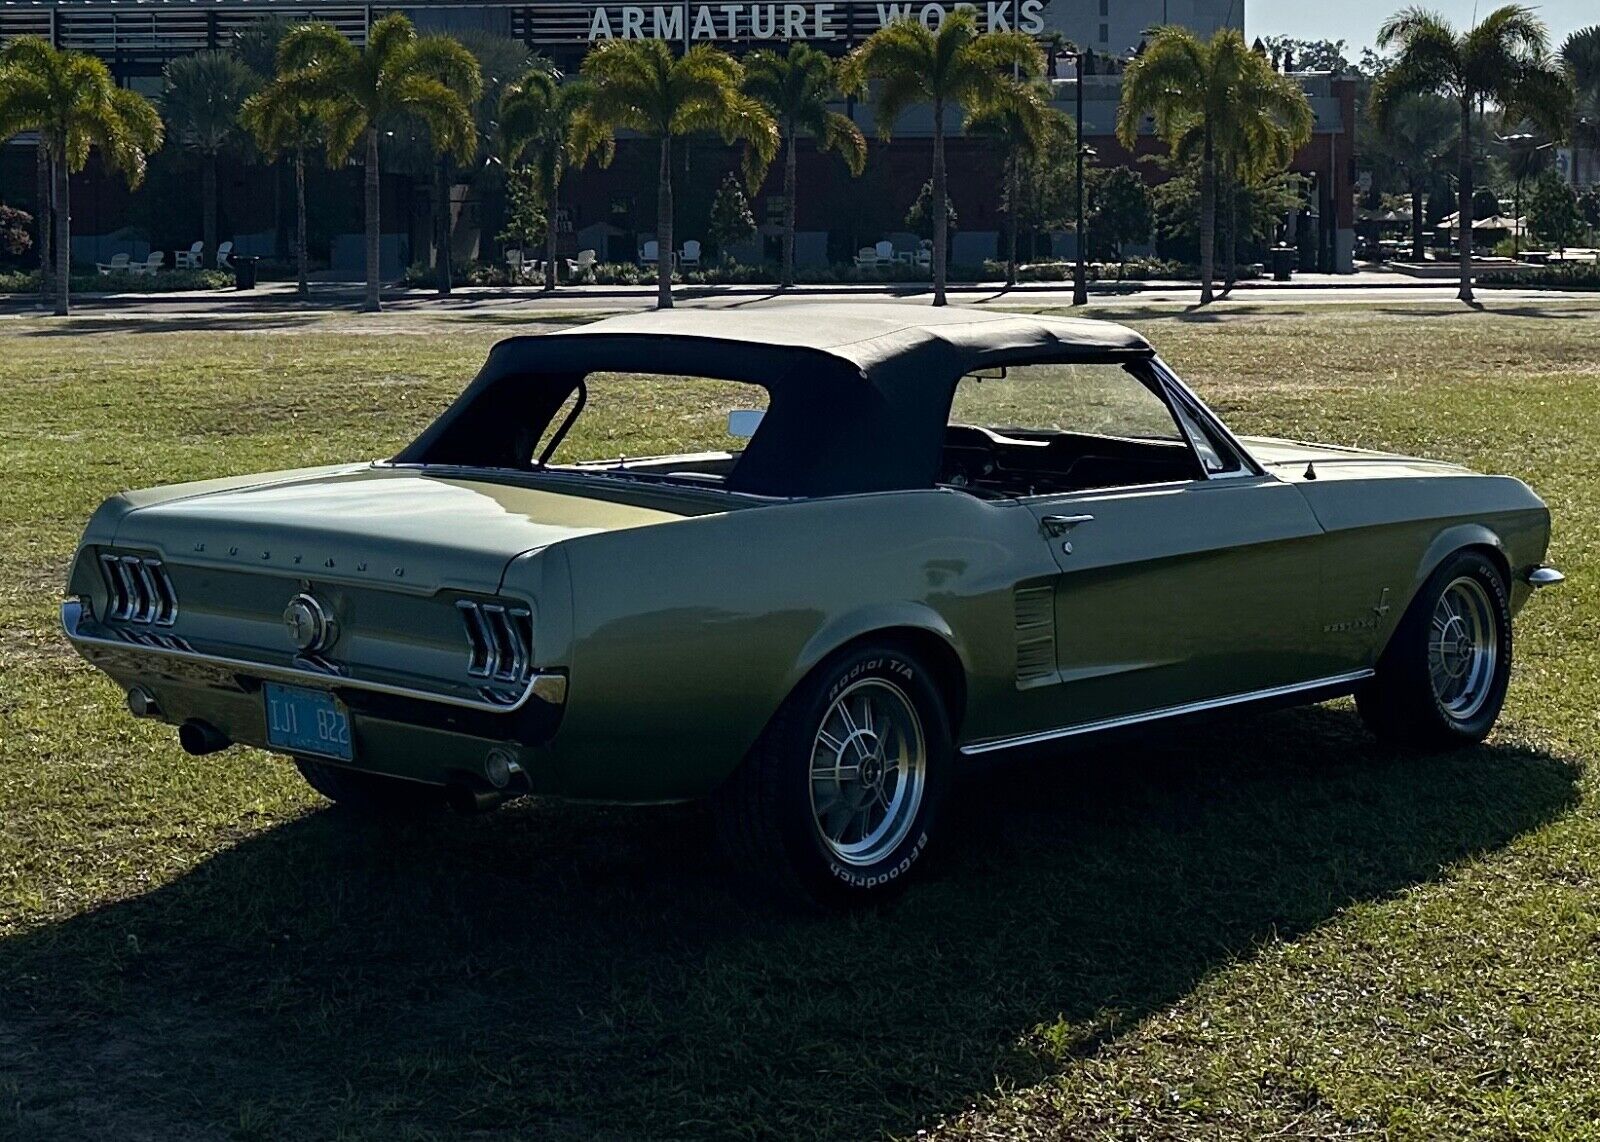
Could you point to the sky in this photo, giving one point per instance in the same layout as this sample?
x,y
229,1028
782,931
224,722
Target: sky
x,y
1357,20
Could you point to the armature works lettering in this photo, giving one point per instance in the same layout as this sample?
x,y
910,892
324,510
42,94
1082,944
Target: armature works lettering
x,y
814,21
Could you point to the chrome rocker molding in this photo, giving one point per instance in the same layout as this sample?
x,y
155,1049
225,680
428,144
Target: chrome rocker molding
x,y
1332,685
546,686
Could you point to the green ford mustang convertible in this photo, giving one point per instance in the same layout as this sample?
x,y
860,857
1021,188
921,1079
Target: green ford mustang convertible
x,y
821,623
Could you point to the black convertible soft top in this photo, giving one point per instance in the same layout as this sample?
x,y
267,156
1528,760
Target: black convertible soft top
x,y
859,394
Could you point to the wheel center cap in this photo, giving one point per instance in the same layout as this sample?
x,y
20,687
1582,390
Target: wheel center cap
x,y
871,771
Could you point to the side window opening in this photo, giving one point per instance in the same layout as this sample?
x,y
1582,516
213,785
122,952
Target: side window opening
x,y
1097,425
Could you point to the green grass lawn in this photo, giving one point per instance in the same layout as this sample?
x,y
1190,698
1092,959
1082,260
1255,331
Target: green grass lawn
x,y
1270,929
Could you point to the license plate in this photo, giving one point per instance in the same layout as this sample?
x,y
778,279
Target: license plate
x,y
306,721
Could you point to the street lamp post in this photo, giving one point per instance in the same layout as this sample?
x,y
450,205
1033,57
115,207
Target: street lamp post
x,y
1080,283
1518,144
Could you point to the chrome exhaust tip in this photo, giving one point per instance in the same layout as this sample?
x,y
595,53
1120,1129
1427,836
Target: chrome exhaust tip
x,y
142,703
471,797
200,738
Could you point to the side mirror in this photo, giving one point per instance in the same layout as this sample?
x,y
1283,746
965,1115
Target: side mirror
x,y
744,421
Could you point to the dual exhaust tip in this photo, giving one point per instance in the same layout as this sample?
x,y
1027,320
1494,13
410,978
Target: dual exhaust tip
x,y
466,793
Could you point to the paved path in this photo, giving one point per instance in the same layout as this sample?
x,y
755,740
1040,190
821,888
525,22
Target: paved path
x,y
279,297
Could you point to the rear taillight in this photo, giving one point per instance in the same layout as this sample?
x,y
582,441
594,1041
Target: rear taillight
x,y
139,590
499,640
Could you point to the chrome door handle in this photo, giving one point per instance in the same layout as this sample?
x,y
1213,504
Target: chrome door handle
x,y
1061,524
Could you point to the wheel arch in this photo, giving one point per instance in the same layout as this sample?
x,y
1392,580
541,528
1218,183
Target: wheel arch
x,y
918,630
1450,541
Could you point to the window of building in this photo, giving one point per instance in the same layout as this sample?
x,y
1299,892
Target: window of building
x,y
1105,33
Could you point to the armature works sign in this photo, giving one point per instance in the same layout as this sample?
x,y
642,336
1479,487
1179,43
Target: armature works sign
x,y
819,20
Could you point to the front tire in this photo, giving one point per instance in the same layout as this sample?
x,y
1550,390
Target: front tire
x,y
370,794
1442,679
836,803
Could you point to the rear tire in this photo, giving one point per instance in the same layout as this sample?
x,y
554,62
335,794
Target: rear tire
x,y
835,805
370,794
1442,679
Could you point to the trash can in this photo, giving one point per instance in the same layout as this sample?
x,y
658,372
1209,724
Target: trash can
x,y
1283,259
244,271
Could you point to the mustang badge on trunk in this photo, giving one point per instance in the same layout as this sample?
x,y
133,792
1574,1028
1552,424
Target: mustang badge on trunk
x,y
309,625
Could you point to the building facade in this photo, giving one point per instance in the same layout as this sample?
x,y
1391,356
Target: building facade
x,y
613,210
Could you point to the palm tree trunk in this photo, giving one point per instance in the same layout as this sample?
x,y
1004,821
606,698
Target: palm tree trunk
x,y
1230,244
1464,199
42,208
374,301
1013,193
303,282
1208,220
790,162
550,237
941,219
63,235
664,227
1416,222
208,204
441,224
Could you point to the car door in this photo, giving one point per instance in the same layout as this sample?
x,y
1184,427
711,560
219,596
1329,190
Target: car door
x,y
1182,591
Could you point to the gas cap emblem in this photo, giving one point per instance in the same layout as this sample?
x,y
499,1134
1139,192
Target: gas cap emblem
x,y
308,624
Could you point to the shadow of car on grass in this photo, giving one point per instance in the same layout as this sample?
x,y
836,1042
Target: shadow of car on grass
x,y
565,971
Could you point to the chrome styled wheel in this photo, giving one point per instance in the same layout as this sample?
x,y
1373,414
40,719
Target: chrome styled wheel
x,y
869,771
1463,648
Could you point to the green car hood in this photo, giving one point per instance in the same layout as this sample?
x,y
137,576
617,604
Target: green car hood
x,y
1273,453
407,529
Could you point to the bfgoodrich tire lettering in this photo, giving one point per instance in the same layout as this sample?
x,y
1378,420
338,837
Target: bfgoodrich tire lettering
x,y
837,803
1442,679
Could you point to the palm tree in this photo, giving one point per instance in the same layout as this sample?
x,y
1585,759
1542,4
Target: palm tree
x,y
795,88
201,105
1217,102
955,65
1419,129
640,86
1025,126
73,103
1505,58
280,120
539,122
1580,55
357,91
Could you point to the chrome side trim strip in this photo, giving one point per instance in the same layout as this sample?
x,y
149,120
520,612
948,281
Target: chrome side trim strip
x,y
1333,682
539,683
1544,577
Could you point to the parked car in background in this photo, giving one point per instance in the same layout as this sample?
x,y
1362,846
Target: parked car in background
x,y
819,627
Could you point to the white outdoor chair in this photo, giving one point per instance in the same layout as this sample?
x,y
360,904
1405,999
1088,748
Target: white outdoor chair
x,y
514,263
149,266
582,266
117,265
224,253
925,253
690,255
191,259
866,258
885,252
650,254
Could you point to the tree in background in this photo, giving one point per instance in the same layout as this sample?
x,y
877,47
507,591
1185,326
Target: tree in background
x,y
1580,55
1553,213
540,124
1219,103
1024,125
731,219
920,215
397,75
281,121
15,240
1119,210
646,87
1309,55
70,99
904,63
1504,58
1416,134
200,101
796,88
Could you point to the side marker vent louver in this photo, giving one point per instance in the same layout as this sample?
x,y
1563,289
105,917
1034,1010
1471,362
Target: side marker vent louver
x,y
499,640
139,589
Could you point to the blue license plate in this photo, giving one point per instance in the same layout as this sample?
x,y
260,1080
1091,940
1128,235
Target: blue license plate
x,y
306,721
